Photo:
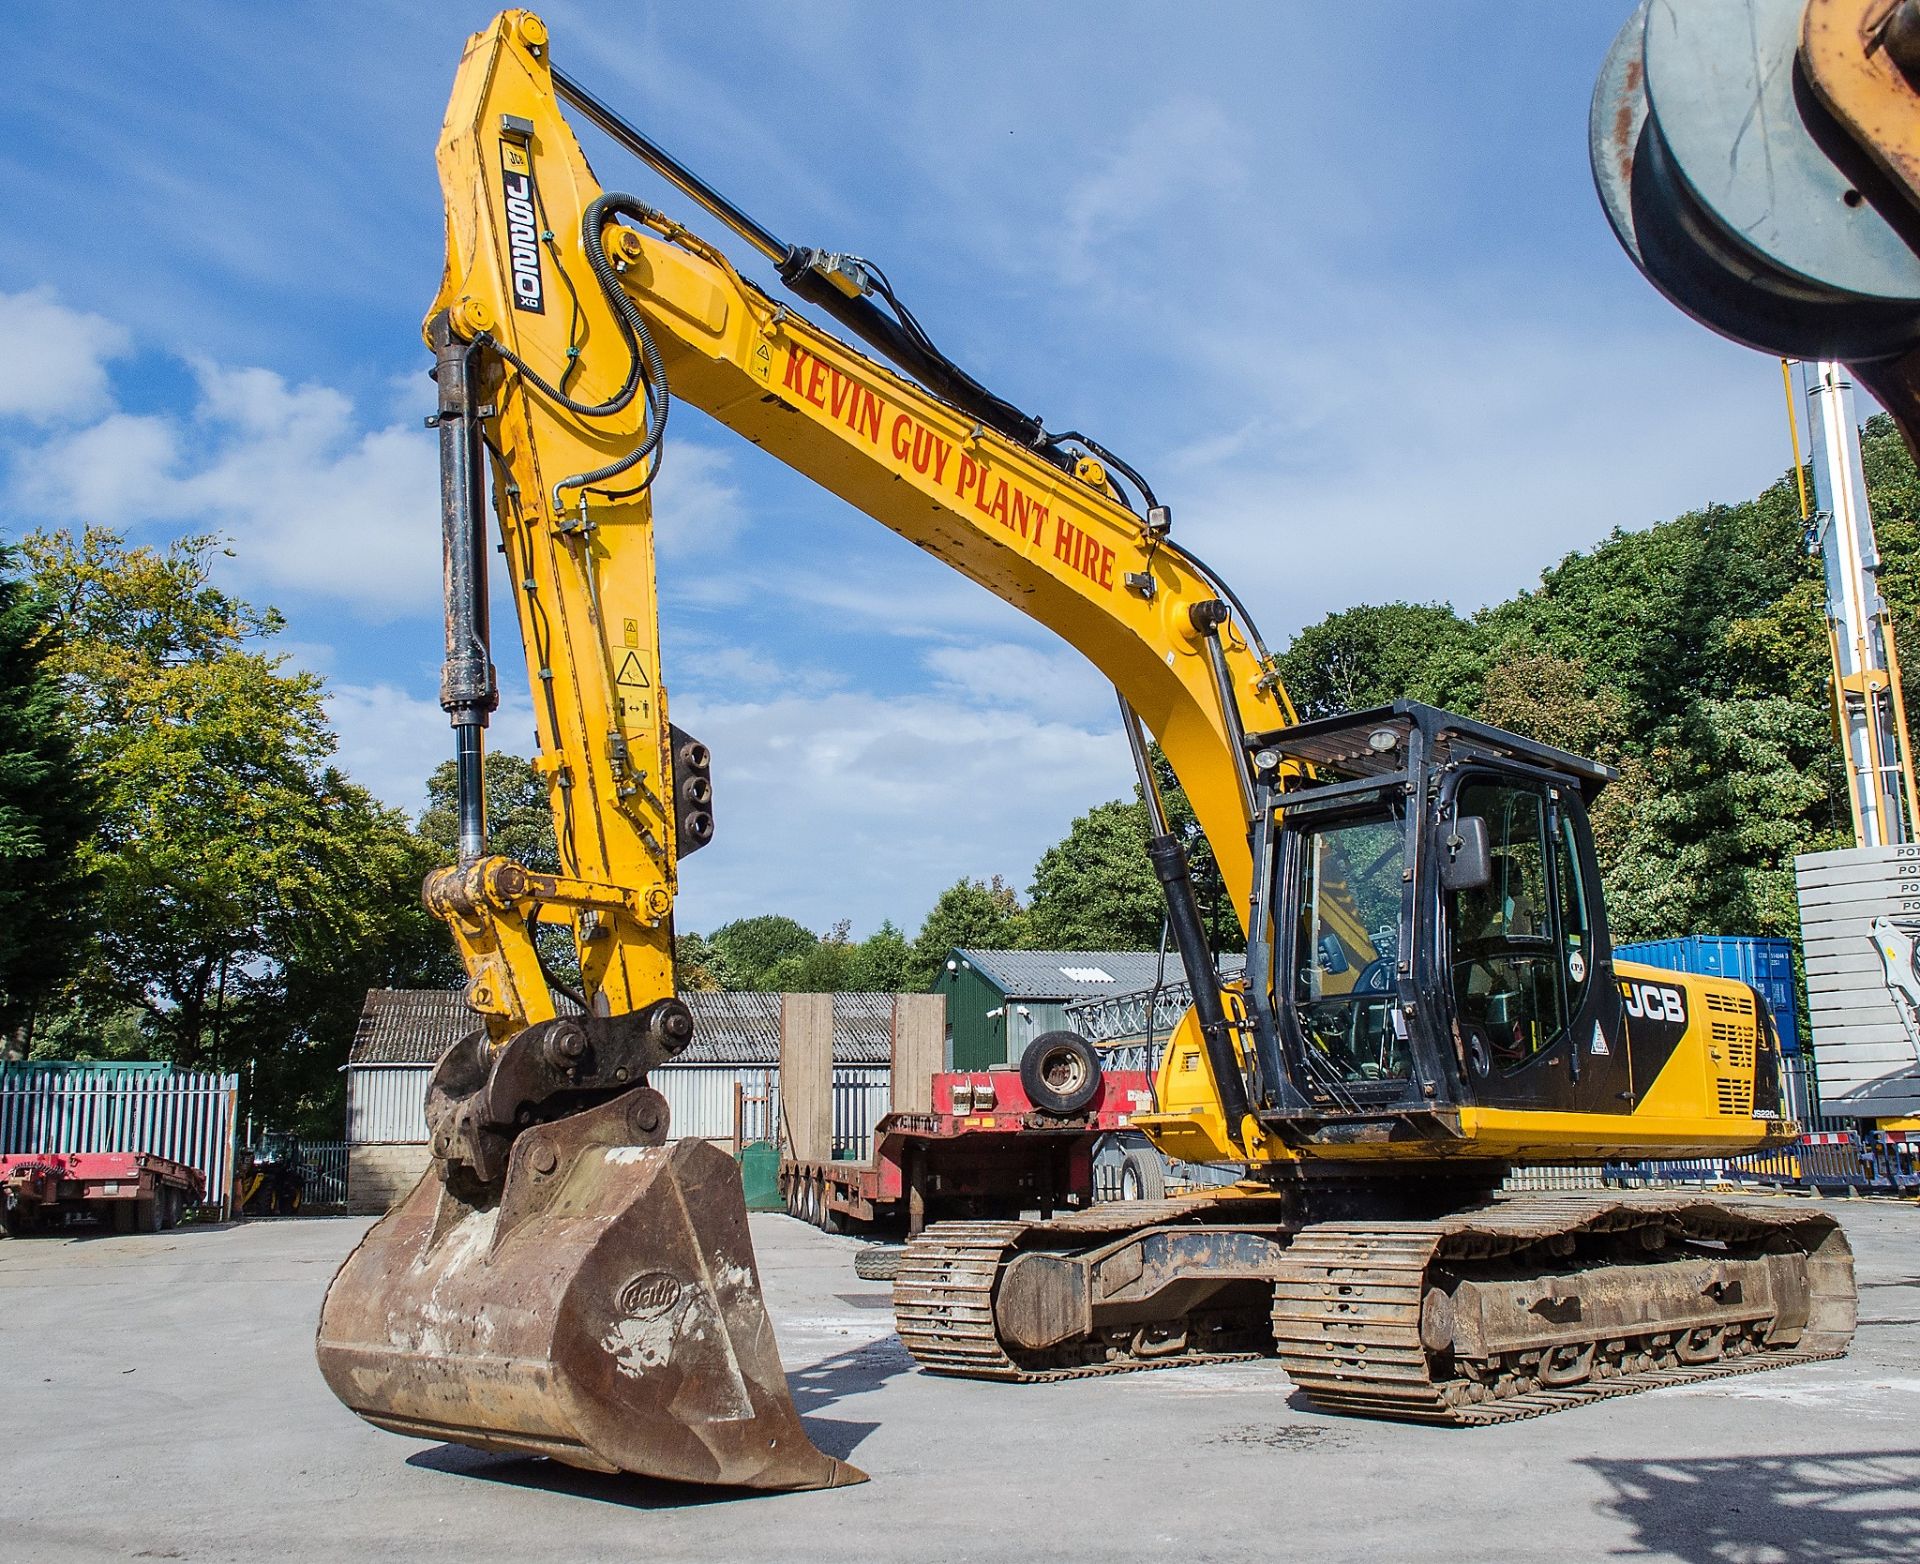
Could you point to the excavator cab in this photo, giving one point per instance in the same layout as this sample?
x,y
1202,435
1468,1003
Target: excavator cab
x,y
1438,936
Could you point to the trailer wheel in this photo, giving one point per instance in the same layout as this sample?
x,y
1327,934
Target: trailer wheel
x,y
1061,1073
877,1264
146,1214
1143,1176
172,1203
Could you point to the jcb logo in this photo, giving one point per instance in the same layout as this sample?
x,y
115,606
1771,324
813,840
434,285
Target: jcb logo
x,y
1655,1002
523,229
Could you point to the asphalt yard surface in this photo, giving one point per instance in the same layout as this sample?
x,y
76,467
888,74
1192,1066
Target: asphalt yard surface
x,y
162,1402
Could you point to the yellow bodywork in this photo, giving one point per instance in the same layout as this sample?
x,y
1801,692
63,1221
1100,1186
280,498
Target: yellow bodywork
x,y
1698,1104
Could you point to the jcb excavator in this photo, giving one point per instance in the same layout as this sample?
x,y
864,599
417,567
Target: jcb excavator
x,y
1429,998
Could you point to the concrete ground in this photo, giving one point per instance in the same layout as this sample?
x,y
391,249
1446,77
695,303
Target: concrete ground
x,y
161,1402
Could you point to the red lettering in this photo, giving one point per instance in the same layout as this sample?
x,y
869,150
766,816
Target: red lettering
x,y
999,510
868,421
900,441
839,391
1105,578
967,477
1021,506
1065,536
1039,522
816,377
796,361
942,450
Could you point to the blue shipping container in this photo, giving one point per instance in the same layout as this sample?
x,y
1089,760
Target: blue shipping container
x,y
1765,963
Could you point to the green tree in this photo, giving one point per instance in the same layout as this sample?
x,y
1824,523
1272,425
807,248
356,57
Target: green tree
x,y
249,893
1376,653
1096,889
981,913
881,962
824,967
698,968
519,816
753,947
46,814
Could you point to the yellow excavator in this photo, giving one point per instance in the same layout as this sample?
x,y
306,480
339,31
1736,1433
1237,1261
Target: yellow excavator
x,y
1429,998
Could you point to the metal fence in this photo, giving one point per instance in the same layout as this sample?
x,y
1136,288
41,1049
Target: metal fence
x,y
186,1117
323,1174
862,1094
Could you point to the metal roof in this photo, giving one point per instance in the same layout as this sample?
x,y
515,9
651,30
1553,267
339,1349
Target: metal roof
x,y
417,1025
1075,974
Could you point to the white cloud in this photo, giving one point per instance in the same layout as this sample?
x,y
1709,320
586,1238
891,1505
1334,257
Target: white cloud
x,y
1461,457
391,740
696,503
56,358
864,807
313,501
1044,682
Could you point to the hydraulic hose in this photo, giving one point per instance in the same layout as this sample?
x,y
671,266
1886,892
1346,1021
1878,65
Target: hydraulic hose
x,y
644,364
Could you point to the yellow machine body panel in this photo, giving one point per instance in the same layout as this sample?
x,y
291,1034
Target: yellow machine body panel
x,y
1699,1102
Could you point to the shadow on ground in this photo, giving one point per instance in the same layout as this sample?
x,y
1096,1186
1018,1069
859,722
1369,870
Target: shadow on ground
x,y
1844,1508
815,1387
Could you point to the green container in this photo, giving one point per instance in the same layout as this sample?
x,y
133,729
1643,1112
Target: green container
x,y
760,1176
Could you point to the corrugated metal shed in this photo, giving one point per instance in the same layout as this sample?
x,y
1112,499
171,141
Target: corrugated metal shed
x,y
417,1026
998,1001
736,1041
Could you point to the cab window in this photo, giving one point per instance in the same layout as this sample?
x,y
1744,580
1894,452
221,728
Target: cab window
x,y
1509,959
1346,942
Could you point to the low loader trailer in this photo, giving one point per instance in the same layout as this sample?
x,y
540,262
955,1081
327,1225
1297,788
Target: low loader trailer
x,y
995,1143
135,1191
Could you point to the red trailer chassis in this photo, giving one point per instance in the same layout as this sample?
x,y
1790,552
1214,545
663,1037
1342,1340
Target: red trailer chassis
x,y
984,1151
134,1190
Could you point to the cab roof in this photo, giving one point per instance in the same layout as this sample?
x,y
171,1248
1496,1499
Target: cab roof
x,y
1348,747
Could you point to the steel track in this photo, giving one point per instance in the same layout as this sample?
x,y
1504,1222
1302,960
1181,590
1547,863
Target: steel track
x,y
1347,1300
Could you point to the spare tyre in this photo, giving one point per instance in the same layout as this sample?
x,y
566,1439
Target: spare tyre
x,y
1061,1073
875,1264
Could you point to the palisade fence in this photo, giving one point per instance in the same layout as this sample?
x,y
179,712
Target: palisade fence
x,y
186,1117
323,1175
704,1101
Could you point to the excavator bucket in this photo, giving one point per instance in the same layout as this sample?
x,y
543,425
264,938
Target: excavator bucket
x,y
605,1311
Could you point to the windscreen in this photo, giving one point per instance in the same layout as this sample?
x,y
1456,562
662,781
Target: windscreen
x,y
1346,943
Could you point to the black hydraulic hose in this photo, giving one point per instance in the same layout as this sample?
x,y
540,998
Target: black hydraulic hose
x,y
1146,489
644,364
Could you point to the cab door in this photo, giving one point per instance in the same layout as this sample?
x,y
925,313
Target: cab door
x,y
1535,1009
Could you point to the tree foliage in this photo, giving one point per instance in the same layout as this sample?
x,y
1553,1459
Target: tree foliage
x,y
247,893
46,813
980,913
519,816
1693,658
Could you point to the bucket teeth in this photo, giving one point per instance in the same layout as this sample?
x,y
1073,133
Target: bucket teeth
x,y
606,1312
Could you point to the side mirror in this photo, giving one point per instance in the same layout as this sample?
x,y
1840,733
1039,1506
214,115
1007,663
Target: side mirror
x,y
1468,864
1333,955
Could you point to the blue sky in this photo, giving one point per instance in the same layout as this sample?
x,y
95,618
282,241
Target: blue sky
x,y
1334,277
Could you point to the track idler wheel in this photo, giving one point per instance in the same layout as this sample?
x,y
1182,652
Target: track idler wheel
x,y
606,1312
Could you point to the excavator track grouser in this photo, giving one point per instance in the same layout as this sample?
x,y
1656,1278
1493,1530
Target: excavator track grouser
x,y
1523,1306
